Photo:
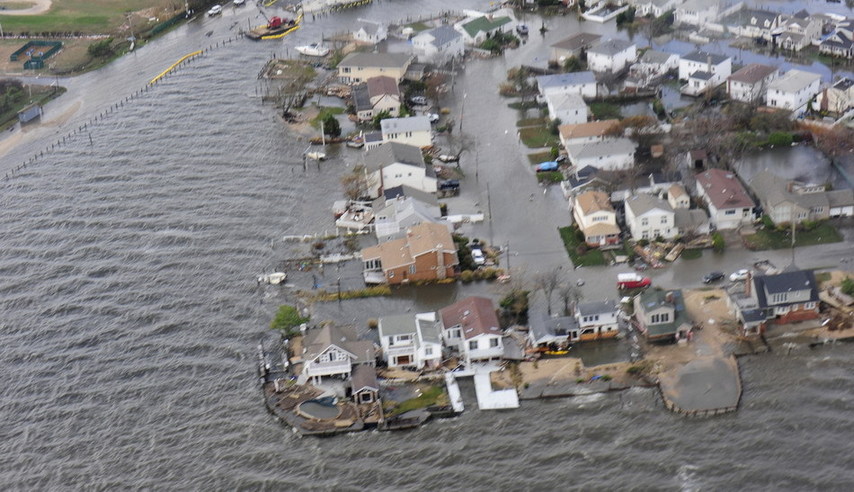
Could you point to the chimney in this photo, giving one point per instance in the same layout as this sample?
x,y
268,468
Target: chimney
x,y
790,187
709,62
748,284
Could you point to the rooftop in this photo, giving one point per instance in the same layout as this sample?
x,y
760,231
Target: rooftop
x,y
652,56
652,299
577,41
610,146
724,189
484,24
584,130
402,125
378,86
611,47
420,239
753,73
594,201
643,203
700,56
565,79
441,35
394,152
793,81
476,316
379,60
596,307
317,340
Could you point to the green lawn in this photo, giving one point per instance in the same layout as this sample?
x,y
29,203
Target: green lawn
x,y
523,105
87,16
592,257
538,157
324,111
605,111
692,254
536,137
530,122
773,239
434,395
550,177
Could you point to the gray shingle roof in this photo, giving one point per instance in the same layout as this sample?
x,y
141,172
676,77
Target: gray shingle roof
x,y
596,307
577,41
391,152
793,81
545,329
562,79
361,98
652,56
610,47
703,57
611,146
400,324
753,73
643,203
379,60
443,35
409,124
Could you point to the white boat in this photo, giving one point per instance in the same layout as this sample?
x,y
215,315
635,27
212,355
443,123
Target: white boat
x,y
318,156
274,278
313,49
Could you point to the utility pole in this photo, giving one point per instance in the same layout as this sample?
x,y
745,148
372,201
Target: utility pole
x,y
507,246
489,209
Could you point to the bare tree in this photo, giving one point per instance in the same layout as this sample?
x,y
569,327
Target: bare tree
x,y
356,183
547,282
570,295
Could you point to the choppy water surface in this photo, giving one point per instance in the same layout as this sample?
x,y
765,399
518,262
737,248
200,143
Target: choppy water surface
x,y
130,318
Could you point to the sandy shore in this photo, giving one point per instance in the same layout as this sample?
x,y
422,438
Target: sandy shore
x,y
39,7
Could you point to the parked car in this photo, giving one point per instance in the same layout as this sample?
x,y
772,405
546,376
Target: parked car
x,y
449,184
547,166
215,10
448,158
713,277
477,257
238,3
433,117
739,275
522,29
418,100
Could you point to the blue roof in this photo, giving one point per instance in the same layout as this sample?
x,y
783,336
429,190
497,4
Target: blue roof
x,y
561,79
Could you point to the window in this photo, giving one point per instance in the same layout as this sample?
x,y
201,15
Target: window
x,y
778,298
664,220
390,274
493,342
454,333
473,345
411,268
428,351
660,318
729,212
645,235
404,338
644,221
809,305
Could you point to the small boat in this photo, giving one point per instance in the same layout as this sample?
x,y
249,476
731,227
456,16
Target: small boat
x,y
313,49
356,143
274,278
318,156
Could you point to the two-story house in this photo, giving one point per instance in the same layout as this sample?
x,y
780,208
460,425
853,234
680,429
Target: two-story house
x,y
413,130
369,32
470,327
729,204
584,133
838,43
409,341
596,218
568,108
609,154
839,97
394,164
649,217
426,253
793,90
580,83
750,83
573,46
788,297
677,197
358,67
596,320
438,45
703,71
800,30
660,315
378,94
696,12
754,23
332,351
399,214
611,55
652,65
787,201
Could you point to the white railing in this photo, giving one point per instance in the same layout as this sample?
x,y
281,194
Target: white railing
x,y
327,368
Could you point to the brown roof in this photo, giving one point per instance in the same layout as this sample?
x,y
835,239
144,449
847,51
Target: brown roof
x,y
364,377
601,229
592,129
752,73
476,316
378,86
676,190
594,201
420,239
724,189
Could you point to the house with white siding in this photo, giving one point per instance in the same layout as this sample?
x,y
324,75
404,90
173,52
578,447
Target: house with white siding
x,y
568,108
333,351
649,217
411,341
703,71
438,45
413,130
750,83
793,90
596,218
579,83
696,12
611,55
611,154
583,133
394,164
470,328
369,32
730,207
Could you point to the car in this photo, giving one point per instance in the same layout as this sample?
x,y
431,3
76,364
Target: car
x,y
418,100
448,158
547,166
522,29
477,257
238,3
215,10
560,158
739,275
713,277
449,184
433,117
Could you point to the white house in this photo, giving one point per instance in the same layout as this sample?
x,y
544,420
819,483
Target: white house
x,y
801,30
438,45
573,46
653,64
409,341
370,32
477,27
378,94
655,8
470,327
414,130
612,154
750,83
579,83
754,23
729,204
597,320
793,90
596,218
649,217
399,214
332,351
839,43
677,197
839,97
393,164
719,67
583,133
611,55
568,108
696,12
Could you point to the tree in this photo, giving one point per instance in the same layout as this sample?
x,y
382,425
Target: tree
x,y
287,319
718,243
848,286
382,115
101,48
331,126
573,64
570,295
547,282
356,183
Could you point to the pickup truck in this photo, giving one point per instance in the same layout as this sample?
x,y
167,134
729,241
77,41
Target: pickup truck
x,y
632,281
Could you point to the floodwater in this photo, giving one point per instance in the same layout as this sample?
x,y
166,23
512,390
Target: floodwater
x,y
131,312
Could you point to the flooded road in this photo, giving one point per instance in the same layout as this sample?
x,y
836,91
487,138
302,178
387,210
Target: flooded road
x,y
131,312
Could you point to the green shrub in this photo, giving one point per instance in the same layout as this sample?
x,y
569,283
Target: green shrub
x,y
101,49
373,323
780,138
287,319
606,377
718,243
848,286
466,276
767,222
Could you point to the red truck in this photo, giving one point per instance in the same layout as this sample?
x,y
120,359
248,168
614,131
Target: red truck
x,y
632,281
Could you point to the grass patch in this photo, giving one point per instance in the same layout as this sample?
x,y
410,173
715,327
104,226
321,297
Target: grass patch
x,y
537,137
574,246
18,99
822,277
324,111
418,26
550,177
90,16
768,238
523,105
538,157
605,111
530,122
692,254
434,395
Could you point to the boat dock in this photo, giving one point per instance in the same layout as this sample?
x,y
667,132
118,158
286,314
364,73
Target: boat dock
x,y
489,399
454,393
